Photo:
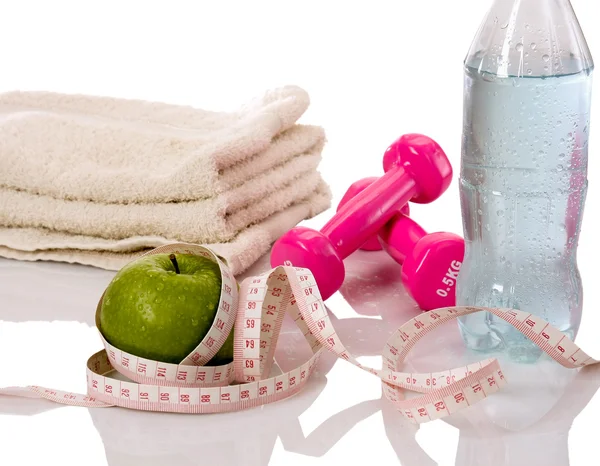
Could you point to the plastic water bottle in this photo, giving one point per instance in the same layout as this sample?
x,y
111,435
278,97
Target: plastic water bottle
x,y
523,177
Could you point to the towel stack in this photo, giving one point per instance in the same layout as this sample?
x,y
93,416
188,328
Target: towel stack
x,y
98,180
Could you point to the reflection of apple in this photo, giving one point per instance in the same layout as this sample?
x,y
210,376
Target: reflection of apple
x,y
160,307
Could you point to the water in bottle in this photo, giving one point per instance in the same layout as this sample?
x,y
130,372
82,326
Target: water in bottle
x,y
523,176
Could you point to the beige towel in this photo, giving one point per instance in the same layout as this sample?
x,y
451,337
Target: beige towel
x,y
209,220
117,150
95,180
31,244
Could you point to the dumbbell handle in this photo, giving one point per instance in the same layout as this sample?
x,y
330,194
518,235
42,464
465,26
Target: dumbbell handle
x,y
366,213
399,236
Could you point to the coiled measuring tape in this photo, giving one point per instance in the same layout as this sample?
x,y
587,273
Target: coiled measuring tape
x,y
255,313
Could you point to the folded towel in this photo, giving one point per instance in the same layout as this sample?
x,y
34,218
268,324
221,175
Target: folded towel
x,y
209,220
38,244
106,149
97,180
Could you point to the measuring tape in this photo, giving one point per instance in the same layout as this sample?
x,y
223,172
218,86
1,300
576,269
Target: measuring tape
x,y
255,313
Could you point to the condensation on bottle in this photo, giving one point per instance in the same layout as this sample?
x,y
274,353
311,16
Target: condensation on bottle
x,y
523,174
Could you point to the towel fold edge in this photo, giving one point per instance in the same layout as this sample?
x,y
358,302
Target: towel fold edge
x,y
243,251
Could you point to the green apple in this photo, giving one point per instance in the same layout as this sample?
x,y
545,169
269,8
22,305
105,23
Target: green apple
x,y
161,306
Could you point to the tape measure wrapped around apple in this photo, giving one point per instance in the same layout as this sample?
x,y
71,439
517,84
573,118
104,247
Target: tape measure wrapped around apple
x,y
160,306
168,323
148,293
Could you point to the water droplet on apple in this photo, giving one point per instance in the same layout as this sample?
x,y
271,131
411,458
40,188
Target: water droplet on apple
x,y
140,307
194,322
143,329
181,297
186,288
157,300
159,287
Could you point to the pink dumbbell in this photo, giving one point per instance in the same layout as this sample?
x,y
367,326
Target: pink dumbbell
x,y
372,244
430,262
416,169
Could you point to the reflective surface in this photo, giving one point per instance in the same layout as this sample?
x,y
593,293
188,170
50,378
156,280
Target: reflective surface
x,y
366,89
546,415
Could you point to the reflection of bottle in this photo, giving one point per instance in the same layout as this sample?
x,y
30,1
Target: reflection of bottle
x,y
531,423
523,180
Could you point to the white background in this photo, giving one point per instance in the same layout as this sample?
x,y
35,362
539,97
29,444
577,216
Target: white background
x,y
374,70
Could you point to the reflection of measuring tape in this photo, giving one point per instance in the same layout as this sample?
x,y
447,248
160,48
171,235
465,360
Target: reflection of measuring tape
x,y
258,312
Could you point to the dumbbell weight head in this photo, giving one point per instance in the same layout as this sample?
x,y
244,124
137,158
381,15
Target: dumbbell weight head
x,y
311,249
430,268
372,244
425,160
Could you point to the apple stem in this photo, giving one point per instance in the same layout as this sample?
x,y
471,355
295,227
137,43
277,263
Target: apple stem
x,y
174,260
